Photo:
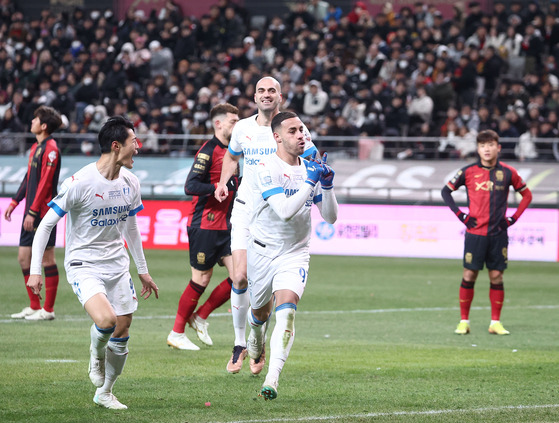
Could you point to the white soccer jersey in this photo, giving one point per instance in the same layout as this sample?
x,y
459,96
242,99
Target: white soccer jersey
x,y
97,211
256,142
270,235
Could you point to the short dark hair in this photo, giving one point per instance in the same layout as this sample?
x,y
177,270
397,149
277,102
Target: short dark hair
x,y
114,129
50,117
223,109
486,136
280,117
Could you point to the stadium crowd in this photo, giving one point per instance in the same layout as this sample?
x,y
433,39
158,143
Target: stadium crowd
x,y
405,73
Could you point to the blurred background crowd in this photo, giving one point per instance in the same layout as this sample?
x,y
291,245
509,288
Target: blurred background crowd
x,y
400,76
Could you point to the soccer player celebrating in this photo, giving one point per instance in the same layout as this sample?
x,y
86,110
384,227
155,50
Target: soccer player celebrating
x,y
284,189
487,186
209,231
38,187
101,200
252,138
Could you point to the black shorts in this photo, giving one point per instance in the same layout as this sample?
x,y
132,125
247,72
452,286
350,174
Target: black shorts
x,y
26,238
208,247
491,250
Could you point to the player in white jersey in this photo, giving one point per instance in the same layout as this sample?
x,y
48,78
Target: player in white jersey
x,y
101,201
284,188
253,138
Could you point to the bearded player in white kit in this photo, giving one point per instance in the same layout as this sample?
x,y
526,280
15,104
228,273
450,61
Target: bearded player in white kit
x,y
284,188
101,200
253,138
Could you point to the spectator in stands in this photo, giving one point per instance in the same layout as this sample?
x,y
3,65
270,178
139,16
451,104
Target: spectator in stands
x,y
507,133
10,124
315,99
547,149
161,60
300,11
420,110
464,79
525,149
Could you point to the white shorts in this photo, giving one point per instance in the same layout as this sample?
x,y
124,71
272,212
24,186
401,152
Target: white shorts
x,y
119,288
267,275
240,220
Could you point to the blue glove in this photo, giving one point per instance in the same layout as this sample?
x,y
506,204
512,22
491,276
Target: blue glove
x,y
314,171
466,219
327,178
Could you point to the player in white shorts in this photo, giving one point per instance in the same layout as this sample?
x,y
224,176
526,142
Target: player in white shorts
x,y
253,138
101,201
284,188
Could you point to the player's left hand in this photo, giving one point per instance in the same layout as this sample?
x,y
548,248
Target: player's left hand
x,y
506,222
327,177
148,286
34,283
28,223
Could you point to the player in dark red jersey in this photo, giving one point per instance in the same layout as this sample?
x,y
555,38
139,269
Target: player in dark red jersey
x,y
487,186
38,187
209,231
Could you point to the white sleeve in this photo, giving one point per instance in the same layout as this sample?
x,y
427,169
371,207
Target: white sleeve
x,y
41,239
328,206
286,207
134,240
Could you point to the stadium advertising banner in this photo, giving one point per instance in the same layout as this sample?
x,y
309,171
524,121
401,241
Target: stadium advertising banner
x,y
427,232
361,230
10,231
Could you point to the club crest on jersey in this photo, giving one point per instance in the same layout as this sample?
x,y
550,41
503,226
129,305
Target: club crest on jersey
x,y
265,178
126,191
500,175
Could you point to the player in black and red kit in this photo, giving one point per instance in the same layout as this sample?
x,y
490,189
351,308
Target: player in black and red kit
x,y
38,187
209,231
487,186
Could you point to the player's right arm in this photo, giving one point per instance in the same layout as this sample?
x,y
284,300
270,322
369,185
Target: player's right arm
x,y
446,194
230,163
20,195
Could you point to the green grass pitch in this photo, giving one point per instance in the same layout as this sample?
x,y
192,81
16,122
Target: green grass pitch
x,y
374,343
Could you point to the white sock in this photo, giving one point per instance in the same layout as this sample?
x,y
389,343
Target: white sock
x,y
239,309
257,327
464,321
494,321
99,339
281,341
117,352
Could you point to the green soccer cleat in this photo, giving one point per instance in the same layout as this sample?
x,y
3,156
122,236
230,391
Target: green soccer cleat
x,y
463,328
269,389
498,329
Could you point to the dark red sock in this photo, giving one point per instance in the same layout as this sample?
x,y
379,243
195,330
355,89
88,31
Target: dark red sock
x,y
466,296
496,297
218,297
187,305
34,301
51,287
